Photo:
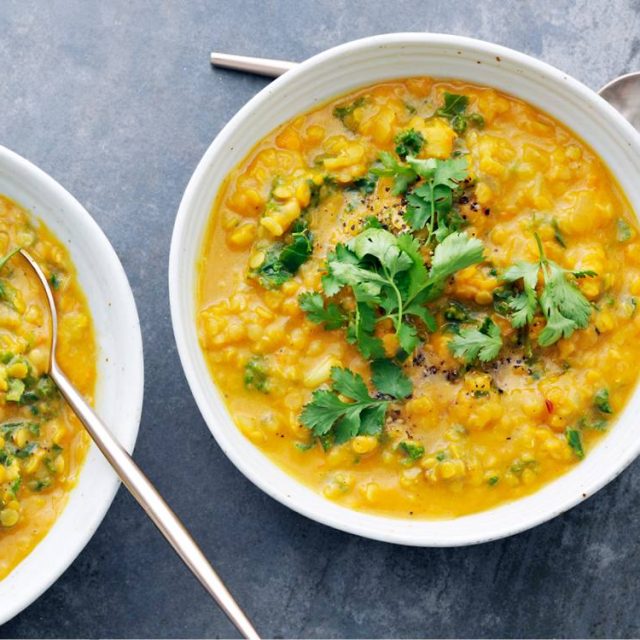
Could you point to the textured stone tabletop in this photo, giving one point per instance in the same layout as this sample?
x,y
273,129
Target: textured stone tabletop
x,y
117,101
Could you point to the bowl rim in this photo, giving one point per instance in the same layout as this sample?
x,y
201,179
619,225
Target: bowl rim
x,y
130,424
181,318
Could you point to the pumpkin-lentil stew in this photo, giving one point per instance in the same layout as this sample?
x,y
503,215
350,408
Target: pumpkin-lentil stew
x,y
42,444
421,299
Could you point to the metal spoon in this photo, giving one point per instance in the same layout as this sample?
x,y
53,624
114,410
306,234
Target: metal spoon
x,y
137,483
621,93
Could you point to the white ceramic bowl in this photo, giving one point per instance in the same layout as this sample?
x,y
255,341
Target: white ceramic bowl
x,y
332,73
120,373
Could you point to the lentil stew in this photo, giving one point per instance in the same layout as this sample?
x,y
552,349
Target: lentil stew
x,y
420,299
42,444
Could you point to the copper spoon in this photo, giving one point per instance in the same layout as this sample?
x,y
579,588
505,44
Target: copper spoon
x,y
622,93
137,483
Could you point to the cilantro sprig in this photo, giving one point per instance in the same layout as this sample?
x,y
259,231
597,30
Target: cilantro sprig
x,y
403,175
562,304
388,278
431,203
347,409
478,343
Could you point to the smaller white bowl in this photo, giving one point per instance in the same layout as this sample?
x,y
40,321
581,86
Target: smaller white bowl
x,y
329,74
120,381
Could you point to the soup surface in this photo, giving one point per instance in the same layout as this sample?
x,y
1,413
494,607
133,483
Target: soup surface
x,y
42,444
421,299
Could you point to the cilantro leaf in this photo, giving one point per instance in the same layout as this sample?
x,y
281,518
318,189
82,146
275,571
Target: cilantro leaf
x,y
473,344
574,439
389,379
283,260
454,109
454,105
331,315
388,278
557,233
361,332
361,414
403,175
412,450
457,251
601,400
409,143
429,204
256,375
562,304
344,113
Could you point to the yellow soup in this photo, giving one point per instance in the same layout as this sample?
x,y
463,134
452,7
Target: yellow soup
x,y
420,299
42,444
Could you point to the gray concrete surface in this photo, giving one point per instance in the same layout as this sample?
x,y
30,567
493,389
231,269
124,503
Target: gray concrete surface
x,y
117,101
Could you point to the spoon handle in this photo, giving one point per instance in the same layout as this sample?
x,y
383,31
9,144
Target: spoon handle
x,y
153,503
260,66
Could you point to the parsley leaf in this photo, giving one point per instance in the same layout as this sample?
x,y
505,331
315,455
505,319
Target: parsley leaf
x,y
328,415
473,344
409,143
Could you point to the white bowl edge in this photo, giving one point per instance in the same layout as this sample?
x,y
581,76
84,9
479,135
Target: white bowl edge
x,y
120,382
348,67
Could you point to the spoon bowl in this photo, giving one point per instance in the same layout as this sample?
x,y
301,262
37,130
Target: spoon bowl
x,y
623,93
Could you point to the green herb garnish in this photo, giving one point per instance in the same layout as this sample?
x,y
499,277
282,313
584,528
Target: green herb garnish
x,y
563,305
329,415
574,439
482,343
601,401
389,279
409,143
412,450
624,231
429,204
454,109
344,113
283,260
256,375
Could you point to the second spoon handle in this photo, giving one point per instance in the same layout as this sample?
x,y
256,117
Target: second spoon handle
x,y
260,66
153,503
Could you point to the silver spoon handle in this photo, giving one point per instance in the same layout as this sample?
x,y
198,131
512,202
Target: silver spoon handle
x,y
260,66
153,503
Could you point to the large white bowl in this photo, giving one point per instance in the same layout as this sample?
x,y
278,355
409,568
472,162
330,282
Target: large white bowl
x,y
329,74
120,374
